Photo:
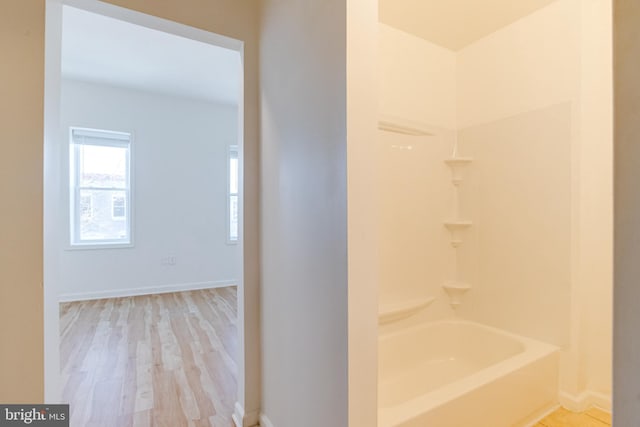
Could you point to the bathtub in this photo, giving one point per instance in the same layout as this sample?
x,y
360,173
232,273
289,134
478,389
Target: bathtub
x,y
463,374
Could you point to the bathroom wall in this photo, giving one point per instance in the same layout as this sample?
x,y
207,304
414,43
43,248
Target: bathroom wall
x,y
417,79
595,287
362,213
534,110
417,84
180,181
517,89
517,255
415,188
530,64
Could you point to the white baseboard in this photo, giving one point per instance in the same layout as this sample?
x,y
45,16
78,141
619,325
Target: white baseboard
x,y
533,419
243,419
238,415
147,290
264,421
585,400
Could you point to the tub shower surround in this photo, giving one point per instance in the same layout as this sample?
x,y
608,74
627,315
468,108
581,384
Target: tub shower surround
x,y
447,373
531,103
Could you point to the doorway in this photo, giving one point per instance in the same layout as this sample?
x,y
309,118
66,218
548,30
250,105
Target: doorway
x,y
79,249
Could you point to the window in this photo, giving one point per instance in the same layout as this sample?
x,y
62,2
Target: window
x,y
232,234
100,190
118,207
86,207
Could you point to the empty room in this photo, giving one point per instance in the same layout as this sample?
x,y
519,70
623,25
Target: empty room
x,y
146,254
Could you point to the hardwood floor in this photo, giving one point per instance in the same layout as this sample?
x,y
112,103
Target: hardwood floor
x,y
593,417
159,360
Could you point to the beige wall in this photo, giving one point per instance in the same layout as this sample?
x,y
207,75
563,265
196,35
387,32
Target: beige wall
x,y
530,64
362,112
417,79
21,124
415,191
518,114
596,197
519,189
22,38
626,410
417,85
304,213
557,56
514,74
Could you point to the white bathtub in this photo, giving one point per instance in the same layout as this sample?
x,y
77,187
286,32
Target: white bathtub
x,y
463,374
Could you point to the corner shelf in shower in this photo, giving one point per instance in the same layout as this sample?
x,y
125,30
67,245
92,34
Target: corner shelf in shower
x,y
396,311
456,290
455,227
457,164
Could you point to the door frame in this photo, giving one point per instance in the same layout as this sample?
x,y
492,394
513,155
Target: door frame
x,y
53,178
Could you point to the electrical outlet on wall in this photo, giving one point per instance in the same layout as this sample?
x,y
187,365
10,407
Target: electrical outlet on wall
x,y
169,260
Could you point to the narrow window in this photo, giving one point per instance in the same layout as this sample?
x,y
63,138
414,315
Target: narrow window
x,y
232,234
100,190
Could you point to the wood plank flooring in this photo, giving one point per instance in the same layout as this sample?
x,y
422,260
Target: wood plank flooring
x,y
590,418
159,360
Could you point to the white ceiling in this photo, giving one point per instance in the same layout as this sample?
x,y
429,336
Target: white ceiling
x,y
100,49
455,23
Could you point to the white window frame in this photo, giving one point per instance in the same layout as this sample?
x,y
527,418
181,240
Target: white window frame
x,y
232,152
106,138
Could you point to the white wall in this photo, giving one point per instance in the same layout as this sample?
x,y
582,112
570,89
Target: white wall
x,y
512,86
551,72
416,257
596,197
417,85
417,79
362,212
530,64
304,214
179,188
517,255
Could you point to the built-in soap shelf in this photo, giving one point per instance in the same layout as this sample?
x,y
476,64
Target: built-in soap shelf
x,y
401,310
456,227
457,165
456,290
